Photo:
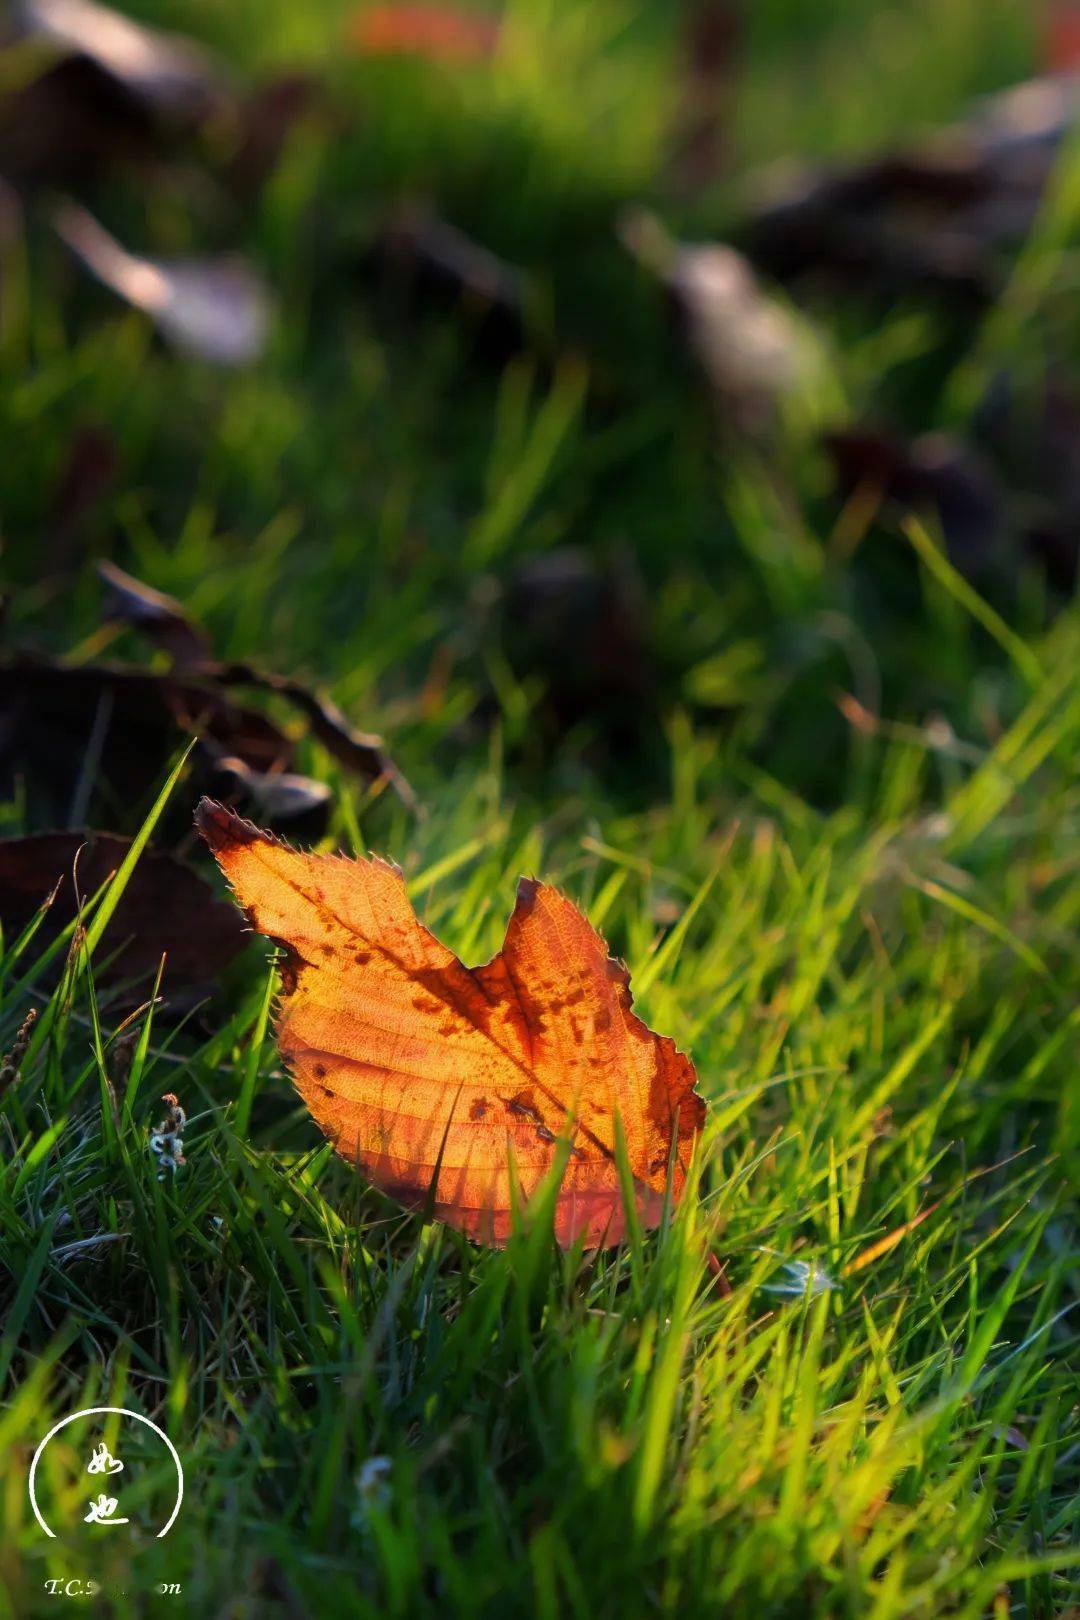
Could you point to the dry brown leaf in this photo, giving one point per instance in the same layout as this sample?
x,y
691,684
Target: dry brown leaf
x,y
754,352
166,910
217,309
431,1077
163,70
129,601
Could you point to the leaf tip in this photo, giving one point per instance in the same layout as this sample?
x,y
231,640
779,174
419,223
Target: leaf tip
x,y
527,890
222,828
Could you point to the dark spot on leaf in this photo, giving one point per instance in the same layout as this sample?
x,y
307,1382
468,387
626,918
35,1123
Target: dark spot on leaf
x,y
288,967
222,829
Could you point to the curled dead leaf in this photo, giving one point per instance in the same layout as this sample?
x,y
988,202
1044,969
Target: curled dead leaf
x,y
117,726
418,260
165,71
167,624
160,616
217,309
941,217
445,1084
166,910
754,352
934,473
277,797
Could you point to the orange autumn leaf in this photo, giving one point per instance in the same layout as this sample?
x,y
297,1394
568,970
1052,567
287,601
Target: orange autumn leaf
x,y
437,33
1061,48
450,1083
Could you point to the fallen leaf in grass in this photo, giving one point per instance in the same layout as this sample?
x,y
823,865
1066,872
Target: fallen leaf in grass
x,y
117,727
69,124
106,91
361,752
943,216
935,473
111,90
754,352
278,797
170,627
70,730
578,621
430,1076
165,71
160,616
112,729
166,909
887,227
435,33
419,259
1061,44
217,309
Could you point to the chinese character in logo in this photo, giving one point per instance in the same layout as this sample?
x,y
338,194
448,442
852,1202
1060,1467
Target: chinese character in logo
x,y
102,1463
102,1467
103,1511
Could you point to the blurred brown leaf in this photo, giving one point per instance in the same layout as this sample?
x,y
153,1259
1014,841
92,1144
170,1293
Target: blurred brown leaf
x,y
166,909
361,752
580,623
941,216
419,260
934,473
165,72
106,90
166,623
753,351
111,726
161,617
69,124
279,798
217,309
70,728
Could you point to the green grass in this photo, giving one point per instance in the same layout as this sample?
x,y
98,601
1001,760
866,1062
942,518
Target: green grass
x,y
764,1409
